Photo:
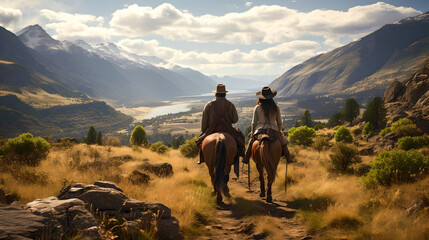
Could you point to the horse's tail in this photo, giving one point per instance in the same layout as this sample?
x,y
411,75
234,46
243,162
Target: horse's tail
x,y
220,164
266,157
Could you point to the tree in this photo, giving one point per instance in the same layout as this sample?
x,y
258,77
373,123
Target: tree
x,y
306,119
335,120
138,136
99,139
91,137
350,110
375,113
178,141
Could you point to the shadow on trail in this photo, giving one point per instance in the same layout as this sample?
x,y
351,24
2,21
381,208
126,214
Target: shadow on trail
x,y
244,207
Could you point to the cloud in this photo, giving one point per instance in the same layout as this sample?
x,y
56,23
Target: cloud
x,y
285,54
248,4
269,24
76,26
9,16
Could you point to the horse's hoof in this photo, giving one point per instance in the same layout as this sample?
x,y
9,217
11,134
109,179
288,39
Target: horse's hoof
x,y
262,194
269,199
227,194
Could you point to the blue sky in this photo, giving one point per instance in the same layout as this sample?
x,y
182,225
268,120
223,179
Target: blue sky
x,y
215,37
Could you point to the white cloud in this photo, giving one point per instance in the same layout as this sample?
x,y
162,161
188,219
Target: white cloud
x,y
288,54
77,26
9,16
270,24
248,4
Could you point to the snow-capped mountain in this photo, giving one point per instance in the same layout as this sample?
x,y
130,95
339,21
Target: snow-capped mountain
x,y
106,71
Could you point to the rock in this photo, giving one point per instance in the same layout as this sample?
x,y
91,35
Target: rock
x,y
247,228
111,201
307,238
131,227
20,224
139,177
362,169
91,233
260,235
391,136
168,229
368,151
418,205
70,213
107,184
415,90
159,169
393,91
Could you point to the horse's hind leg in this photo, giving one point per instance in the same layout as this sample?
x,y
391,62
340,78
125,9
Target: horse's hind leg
x,y
260,168
270,179
225,188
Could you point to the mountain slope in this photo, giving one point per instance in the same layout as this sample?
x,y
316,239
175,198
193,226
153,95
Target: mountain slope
x,y
371,63
107,72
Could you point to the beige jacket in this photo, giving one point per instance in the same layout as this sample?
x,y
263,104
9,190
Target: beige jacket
x,y
260,121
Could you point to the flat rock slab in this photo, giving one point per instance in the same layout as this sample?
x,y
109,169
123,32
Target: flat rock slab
x,y
17,223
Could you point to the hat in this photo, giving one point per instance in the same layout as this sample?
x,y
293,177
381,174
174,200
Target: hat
x,y
220,88
266,93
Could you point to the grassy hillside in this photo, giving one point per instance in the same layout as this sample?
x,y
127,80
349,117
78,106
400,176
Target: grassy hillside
x,y
331,205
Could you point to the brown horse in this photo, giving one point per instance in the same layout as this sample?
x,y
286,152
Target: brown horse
x,y
219,152
266,155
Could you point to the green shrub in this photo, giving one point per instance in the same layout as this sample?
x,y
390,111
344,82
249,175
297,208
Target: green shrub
x,y
319,126
343,135
368,128
336,127
408,142
320,143
190,148
343,156
302,135
401,122
158,147
138,136
385,131
408,130
26,149
395,166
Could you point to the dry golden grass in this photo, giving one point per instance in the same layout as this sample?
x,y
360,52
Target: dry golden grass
x,y
187,192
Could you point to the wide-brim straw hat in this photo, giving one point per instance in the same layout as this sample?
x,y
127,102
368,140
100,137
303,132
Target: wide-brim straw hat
x,y
266,93
220,88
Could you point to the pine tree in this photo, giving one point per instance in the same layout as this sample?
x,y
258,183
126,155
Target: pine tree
x,y
350,110
376,113
91,137
306,119
99,138
335,120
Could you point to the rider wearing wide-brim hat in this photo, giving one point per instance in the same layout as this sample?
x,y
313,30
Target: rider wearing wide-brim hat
x,y
218,116
267,119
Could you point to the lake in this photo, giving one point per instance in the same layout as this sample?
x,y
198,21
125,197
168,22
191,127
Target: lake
x,y
142,113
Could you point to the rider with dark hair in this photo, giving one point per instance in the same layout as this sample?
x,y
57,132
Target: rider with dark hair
x,y
267,120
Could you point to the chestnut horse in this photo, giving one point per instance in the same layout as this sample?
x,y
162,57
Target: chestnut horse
x,y
266,154
219,152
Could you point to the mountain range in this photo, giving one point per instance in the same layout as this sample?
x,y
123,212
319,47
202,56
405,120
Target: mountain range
x,y
393,52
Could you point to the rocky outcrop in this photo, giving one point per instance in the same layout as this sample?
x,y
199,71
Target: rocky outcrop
x,y
65,216
17,223
139,177
409,99
159,169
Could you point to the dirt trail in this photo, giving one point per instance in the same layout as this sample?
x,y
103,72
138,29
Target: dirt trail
x,y
232,222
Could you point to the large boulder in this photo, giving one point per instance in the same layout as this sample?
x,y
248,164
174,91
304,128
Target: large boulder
x,y
71,214
139,177
111,201
393,91
16,223
159,169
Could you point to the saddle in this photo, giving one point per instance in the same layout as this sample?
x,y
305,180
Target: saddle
x,y
264,134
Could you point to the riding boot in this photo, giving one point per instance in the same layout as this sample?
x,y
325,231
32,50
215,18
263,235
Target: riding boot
x,y
286,153
201,157
248,152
